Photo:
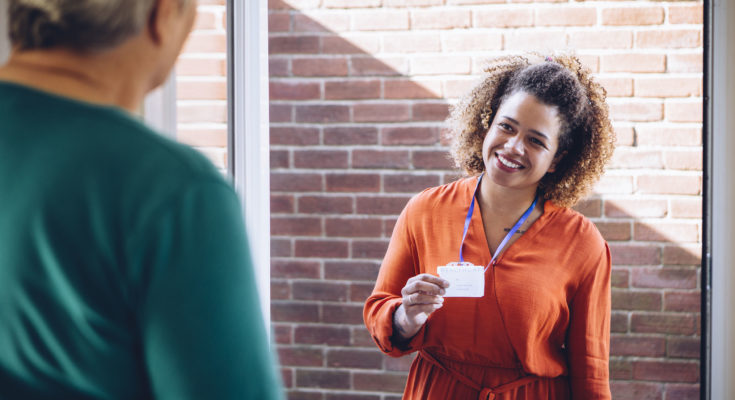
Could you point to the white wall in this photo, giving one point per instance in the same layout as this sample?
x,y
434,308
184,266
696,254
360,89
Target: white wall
x,y
4,43
723,201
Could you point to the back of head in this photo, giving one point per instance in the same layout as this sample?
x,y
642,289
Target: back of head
x,y
82,25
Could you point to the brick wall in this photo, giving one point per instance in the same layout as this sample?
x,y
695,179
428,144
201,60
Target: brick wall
x,y
359,90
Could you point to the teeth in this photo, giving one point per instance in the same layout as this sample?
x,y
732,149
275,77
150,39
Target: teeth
x,y
508,163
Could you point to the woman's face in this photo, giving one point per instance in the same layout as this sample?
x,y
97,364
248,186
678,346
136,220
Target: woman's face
x,y
520,145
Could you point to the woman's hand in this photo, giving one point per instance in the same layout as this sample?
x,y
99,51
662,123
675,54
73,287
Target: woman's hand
x,y
422,295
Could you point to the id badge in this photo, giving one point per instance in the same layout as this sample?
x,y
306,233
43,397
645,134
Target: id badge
x,y
465,279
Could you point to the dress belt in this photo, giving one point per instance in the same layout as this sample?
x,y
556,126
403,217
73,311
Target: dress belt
x,y
485,393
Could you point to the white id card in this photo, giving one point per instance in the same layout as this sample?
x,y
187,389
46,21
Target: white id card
x,y
465,279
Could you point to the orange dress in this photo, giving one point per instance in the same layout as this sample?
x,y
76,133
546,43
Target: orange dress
x,y
541,331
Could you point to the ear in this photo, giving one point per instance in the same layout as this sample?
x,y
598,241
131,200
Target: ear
x,y
159,18
555,162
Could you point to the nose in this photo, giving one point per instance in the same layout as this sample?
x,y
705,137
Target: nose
x,y
515,144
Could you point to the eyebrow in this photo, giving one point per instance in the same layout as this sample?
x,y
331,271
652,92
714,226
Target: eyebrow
x,y
545,136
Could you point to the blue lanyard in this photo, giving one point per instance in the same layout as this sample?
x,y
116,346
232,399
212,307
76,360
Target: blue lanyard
x,y
510,234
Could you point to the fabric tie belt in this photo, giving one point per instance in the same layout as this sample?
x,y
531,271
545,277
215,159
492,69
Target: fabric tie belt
x,y
485,393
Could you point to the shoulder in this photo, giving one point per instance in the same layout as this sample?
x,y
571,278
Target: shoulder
x,y
577,230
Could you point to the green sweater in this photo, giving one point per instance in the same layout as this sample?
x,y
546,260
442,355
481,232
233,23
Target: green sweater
x,y
124,265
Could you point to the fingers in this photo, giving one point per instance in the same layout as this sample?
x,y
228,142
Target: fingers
x,y
417,298
426,284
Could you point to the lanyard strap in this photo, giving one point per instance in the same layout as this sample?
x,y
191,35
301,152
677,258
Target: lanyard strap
x,y
510,234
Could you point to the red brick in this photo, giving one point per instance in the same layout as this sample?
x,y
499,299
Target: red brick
x,y
670,39
409,135
499,17
277,113
620,278
294,136
304,395
566,16
411,42
329,335
633,16
535,40
374,249
210,42
353,227
636,390
342,314
601,39
638,346
320,159
682,62
279,22
351,3
322,114
632,62
690,160
666,232
320,21
319,290
683,111
282,334
280,290
352,358
351,270
619,322
352,89
351,396
387,382
440,19
188,66
634,254
411,89
294,90
682,391
670,184
278,67
463,2
325,205
361,338
292,45
408,183
621,369
296,226
292,4
667,87
202,137
432,159
412,3
378,66
636,158
668,135
440,65
454,88
294,312
590,208
617,87
683,347
321,248
388,226
666,371
350,135
290,269
430,111
281,204
665,278
686,207
348,182
300,356
686,13
201,113
322,378
350,44
401,364
295,182
381,112
281,248
636,110
662,323
637,208
614,230
682,255
359,292
319,66
612,184
682,301
279,159
381,205
380,159
382,20
470,40
642,301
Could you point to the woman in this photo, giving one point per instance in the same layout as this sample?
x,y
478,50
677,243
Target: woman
x,y
124,266
535,137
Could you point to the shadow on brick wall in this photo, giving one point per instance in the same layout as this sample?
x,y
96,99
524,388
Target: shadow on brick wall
x,y
353,137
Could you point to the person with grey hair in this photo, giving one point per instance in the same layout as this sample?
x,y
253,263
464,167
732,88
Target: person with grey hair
x,y
124,266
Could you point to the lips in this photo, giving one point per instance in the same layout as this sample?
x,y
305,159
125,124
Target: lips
x,y
508,163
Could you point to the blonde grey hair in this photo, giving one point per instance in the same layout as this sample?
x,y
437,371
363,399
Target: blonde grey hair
x,y
83,25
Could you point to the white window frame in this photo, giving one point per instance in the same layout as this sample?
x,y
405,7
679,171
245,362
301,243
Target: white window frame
x,y
721,204
4,41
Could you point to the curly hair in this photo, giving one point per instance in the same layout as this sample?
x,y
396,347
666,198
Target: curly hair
x,y
586,138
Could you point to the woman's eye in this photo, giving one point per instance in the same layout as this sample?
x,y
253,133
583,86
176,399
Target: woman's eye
x,y
504,126
538,142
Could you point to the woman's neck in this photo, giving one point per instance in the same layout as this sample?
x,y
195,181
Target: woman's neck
x,y
503,202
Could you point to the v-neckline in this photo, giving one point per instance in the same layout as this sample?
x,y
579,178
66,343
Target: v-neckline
x,y
530,232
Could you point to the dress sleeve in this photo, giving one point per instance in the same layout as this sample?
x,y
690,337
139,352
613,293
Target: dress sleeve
x,y
201,328
400,264
588,340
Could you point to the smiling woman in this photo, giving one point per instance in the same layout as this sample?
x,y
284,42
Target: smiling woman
x,y
534,131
